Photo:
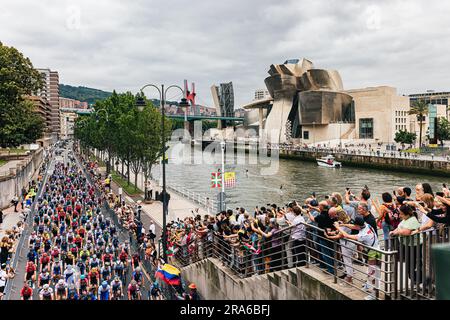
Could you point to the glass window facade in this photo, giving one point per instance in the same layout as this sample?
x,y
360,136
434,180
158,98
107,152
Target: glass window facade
x,y
366,128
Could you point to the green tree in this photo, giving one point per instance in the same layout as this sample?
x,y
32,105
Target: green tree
x,y
132,136
19,124
443,130
420,109
405,137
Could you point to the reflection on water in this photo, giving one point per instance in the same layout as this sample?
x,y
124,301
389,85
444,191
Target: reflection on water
x,y
297,180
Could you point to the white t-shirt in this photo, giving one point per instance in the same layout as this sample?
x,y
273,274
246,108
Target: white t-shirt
x,y
298,233
152,228
261,217
368,237
3,278
290,216
241,219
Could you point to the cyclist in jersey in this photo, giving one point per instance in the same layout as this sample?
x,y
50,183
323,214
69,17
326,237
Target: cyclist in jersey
x,y
119,268
72,293
138,276
94,277
133,291
44,278
83,283
26,293
30,272
105,271
56,270
69,274
46,293
116,288
104,291
155,292
61,290
136,259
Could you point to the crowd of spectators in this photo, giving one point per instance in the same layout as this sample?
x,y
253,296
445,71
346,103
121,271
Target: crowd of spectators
x,y
342,227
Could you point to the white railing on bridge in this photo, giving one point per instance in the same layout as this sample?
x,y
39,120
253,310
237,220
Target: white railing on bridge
x,y
197,197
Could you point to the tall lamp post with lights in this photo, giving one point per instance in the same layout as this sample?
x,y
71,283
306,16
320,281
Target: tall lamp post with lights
x,y
97,112
140,104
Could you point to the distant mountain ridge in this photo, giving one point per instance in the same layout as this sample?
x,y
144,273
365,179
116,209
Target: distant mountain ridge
x,y
90,95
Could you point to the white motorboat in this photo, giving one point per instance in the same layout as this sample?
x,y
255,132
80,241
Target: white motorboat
x,y
328,162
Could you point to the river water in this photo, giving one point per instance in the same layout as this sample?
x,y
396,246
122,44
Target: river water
x,y
295,180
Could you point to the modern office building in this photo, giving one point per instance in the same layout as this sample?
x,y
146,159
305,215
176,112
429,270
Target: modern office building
x,y
50,92
432,97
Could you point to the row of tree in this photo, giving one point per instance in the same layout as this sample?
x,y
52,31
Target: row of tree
x,y
19,124
124,133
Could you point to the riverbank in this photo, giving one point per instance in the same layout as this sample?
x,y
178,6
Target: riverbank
x,y
396,164
387,161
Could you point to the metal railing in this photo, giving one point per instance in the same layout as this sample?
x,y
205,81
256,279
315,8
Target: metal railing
x,y
338,258
414,264
196,197
350,151
404,271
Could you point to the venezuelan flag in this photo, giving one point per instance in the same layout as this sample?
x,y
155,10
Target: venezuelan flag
x,y
169,274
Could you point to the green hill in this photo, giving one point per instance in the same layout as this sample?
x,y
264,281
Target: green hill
x,y
89,95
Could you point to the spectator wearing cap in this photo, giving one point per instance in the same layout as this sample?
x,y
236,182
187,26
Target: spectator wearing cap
x,y
194,294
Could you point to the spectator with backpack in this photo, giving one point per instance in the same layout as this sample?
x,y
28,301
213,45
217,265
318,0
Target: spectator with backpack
x,y
388,216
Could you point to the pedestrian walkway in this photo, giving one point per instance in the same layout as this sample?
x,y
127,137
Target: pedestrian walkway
x,y
10,219
179,207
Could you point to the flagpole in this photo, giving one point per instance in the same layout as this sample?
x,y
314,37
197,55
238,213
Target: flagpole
x,y
222,145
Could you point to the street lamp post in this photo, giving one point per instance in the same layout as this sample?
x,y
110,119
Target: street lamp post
x,y
222,196
140,103
108,165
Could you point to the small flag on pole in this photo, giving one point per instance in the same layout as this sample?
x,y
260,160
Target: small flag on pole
x,y
216,180
230,179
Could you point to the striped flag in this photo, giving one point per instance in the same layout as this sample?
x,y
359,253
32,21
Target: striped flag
x,y
230,179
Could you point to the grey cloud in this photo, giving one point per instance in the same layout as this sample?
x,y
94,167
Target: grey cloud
x,y
123,45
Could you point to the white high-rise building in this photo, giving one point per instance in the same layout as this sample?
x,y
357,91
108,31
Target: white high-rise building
x,y
50,92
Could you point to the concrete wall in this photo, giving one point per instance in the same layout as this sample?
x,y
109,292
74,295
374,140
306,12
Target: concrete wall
x,y
216,282
19,177
379,104
321,133
437,168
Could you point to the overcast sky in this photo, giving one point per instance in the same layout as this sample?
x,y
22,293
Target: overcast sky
x,y
112,44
